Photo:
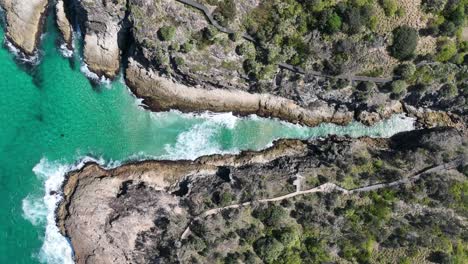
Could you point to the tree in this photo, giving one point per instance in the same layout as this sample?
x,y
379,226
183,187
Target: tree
x,y
166,33
270,216
404,44
268,249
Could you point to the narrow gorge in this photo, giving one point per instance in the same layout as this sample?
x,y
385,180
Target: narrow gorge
x,y
282,131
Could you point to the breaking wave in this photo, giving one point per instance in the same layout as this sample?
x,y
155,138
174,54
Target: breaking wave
x,y
198,141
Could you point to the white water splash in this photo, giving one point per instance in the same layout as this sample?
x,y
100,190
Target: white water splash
x,y
20,56
40,210
198,141
93,76
67,53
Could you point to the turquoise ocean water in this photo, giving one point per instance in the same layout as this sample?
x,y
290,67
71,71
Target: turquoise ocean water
x,y
51,118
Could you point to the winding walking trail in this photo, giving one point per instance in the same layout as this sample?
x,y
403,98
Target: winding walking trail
x,y
286,66
330,187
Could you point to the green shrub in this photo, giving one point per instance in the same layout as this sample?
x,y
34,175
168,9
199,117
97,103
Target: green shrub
x,y
449,90
225,12
316,248
166,33
268,249
446,49
246,49
179,61
405,70
399,88
270,216
389,6
288,236
433,6
186,47
404,44
330,22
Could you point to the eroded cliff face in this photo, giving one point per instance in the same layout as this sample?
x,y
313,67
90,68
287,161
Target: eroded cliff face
x,y
180,44
218,208
102,24
64,24
24,23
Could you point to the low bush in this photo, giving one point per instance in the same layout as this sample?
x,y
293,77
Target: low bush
x,y
446,49
166,33
389,6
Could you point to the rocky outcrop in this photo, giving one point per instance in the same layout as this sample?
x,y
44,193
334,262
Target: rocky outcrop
x,y
129,197
102,23
24,21
139,213
161,94
64,24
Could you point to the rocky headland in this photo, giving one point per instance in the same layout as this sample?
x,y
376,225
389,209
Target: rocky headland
x,y
334,191
24,23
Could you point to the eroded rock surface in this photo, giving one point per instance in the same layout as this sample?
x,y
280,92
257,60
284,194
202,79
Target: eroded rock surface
x,y
24,21
64,24
102,24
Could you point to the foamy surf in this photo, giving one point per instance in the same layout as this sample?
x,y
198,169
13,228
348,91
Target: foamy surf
x,y
67,53
198,141
40,210
93,76
20,56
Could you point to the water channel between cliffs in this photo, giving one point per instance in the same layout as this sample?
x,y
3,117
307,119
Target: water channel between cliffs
x,y
53,120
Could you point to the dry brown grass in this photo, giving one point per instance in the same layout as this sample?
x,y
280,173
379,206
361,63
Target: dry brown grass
x,y
426,45
413,16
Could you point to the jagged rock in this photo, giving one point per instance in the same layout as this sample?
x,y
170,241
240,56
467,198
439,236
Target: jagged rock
x,y
103,22
64,24
24,20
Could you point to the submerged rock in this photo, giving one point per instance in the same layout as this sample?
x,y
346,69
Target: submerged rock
x,y
219,207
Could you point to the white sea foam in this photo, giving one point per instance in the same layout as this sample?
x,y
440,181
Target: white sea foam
x,y
198,141
40,210
93,76
20,56
65,51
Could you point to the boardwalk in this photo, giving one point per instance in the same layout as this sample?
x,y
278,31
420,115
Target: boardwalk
x,y
286,66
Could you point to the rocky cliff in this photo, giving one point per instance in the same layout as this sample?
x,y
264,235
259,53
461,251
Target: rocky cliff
x,y
102,22
24,21
64,24
283,65
304,200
